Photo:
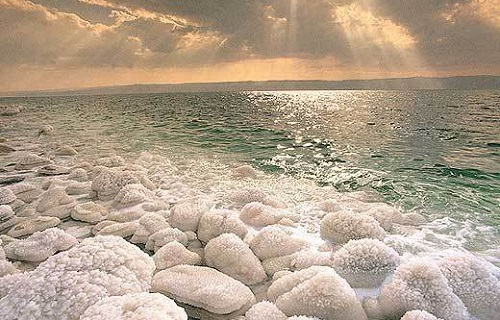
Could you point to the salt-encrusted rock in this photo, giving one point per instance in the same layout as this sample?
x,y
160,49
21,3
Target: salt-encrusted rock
x,y
419,315
131,195
55,202
46,129
78,174
274,241
340,227
40,245
318,292
135,306
259,215
149,224
265,310
164,236
6,268
52,170
125,216
277,264
28,160
242,197
90,212
365,263
216,222
204,288
302,318
245,171
173,254
77,188
7,217
108,182
6,196
111,161
120,229
10,282
26,191
186,215
308,258
4,148
385,214
32,225
66,151
230,255
420,285
66,284
474,284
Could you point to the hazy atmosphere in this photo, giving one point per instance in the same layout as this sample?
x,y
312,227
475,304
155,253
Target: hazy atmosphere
x,y
50,44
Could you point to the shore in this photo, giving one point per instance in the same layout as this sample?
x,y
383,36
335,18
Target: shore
x,y
91,236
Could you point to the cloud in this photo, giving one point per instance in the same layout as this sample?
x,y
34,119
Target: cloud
x,y
358,35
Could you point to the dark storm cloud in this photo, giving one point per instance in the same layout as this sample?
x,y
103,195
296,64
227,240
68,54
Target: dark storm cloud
x,y
448,32
159,33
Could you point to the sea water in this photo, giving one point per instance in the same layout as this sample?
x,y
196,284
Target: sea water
x,y
435,153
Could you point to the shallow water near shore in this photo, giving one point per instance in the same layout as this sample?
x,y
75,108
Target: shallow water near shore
x,y
432,151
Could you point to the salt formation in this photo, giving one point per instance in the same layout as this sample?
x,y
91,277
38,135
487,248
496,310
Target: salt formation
x,y
108,182
90,212
308,258
365,263
65,285
26,191
46,129
132,194
78,174
52,170
55,202
318,292
32,225
245,171
204,288
274,241
9,110
6,267
135,306
66,151
40,245
340,227
418,315
7,217
111,161
164,236
29,160
216,222
474,284
6,196
148,225
258,214
186,215
119,229
276,264
173,254
6,148
230,255
243,197
78,188
420,285
265,310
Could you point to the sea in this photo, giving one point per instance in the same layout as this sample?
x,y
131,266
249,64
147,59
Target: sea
x,y
431,152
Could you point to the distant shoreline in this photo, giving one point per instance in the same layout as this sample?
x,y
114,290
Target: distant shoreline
x,y
482,82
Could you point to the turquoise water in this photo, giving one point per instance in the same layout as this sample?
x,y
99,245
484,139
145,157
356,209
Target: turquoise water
x,y
435,152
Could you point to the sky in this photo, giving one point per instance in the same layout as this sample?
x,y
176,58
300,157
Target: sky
x,y
66,44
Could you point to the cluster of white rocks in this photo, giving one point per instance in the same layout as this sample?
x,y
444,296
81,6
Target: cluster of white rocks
x,y
110,239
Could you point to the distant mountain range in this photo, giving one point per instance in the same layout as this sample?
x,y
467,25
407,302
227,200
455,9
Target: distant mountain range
x,y
417,83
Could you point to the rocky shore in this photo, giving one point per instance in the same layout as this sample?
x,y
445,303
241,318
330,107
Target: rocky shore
x,y
114,238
